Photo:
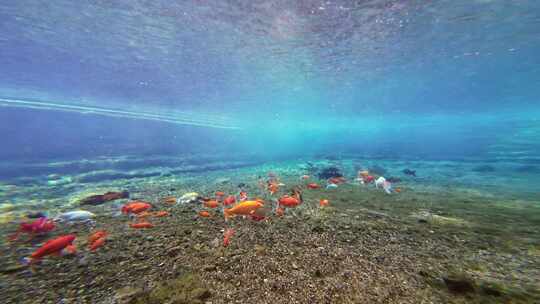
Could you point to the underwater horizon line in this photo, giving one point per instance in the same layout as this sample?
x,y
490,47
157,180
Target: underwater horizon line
x,y
179,118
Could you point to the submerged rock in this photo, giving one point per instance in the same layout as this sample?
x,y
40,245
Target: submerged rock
x,y
102,198
329,172
185,289
459,284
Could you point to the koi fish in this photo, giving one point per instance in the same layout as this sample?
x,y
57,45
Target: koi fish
x,y
97,239
136,207
398,190
229,200
323,203
204,214
219,193
243,196
41,225
304,177
141,225
273,187
280,211
336,180
243,208
170,200
289,201
227,237
98,243
76,215
313,186
54,247
161,213
211,204
96,235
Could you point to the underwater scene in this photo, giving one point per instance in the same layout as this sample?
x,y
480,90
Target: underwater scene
x,y
278,151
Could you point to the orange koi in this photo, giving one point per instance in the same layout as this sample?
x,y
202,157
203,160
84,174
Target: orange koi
x,y
161,213
136,207
141,225
97,235
244,208
289,201
97,243
204,214
398,190
273,187
323,203
211,204
219,193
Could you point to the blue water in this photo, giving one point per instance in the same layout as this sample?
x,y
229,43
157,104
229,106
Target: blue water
x,y
162,98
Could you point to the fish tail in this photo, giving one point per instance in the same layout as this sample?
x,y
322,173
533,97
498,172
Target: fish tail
x,y
226,213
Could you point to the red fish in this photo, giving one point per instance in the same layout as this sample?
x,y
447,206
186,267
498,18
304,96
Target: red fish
x,y
141,225
204,214
313,186
336,180
323,203
98,243
41,225
257,217
211,204
369,179
54,247
227,237
229,200
219,193
289,201
136,207
161,213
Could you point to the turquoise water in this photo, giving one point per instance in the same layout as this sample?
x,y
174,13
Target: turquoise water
x,y
163,98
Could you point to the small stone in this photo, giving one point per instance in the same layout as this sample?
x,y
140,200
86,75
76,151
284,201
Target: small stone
x,y
294,266
459,285
150,238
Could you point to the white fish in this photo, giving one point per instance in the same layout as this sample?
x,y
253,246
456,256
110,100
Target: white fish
x,y
76,216
331,186
387,186
380,182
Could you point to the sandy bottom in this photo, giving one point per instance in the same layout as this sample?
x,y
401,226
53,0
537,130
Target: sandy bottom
x,y
437,241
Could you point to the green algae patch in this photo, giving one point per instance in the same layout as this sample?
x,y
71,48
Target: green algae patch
x,y
186,289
